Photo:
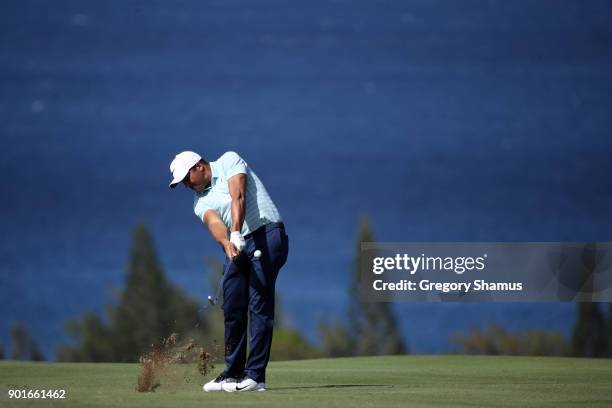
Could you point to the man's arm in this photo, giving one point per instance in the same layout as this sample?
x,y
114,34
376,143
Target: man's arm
x,y
218,230
237,190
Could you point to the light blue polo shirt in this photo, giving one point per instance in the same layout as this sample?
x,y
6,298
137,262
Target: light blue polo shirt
x,y
259,208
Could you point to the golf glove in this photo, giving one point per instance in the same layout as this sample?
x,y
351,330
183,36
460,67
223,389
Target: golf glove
x,y
237,239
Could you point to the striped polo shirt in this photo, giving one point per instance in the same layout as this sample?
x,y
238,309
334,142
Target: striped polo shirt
x,y
260,210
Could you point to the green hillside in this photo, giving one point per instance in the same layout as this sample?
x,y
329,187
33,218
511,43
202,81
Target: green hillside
x,y
406,381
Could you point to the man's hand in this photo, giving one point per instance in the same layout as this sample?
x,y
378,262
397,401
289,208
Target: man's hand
x,y
237,239
230,249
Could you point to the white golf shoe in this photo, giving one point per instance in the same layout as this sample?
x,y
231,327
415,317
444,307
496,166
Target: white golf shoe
x,y
246,384
217,383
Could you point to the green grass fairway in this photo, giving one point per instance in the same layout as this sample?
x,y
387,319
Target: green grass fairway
x,y
407,381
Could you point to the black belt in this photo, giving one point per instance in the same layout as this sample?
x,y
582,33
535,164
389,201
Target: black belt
x,y
265,228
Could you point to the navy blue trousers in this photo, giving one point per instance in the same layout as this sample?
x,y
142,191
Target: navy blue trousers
x,y
248,290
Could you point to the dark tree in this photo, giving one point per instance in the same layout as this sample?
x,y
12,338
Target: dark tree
x,y
24,346
609,336
149,309
589,334
372,328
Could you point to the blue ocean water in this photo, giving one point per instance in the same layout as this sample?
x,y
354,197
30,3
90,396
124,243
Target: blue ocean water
x,y
438,120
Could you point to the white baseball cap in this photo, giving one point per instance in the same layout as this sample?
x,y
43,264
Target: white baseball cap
x,y
181,164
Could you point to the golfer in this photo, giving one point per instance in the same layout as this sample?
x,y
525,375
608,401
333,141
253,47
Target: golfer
x,y
231,200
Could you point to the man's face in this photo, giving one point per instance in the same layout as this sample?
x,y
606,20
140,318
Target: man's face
x,y
196,178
